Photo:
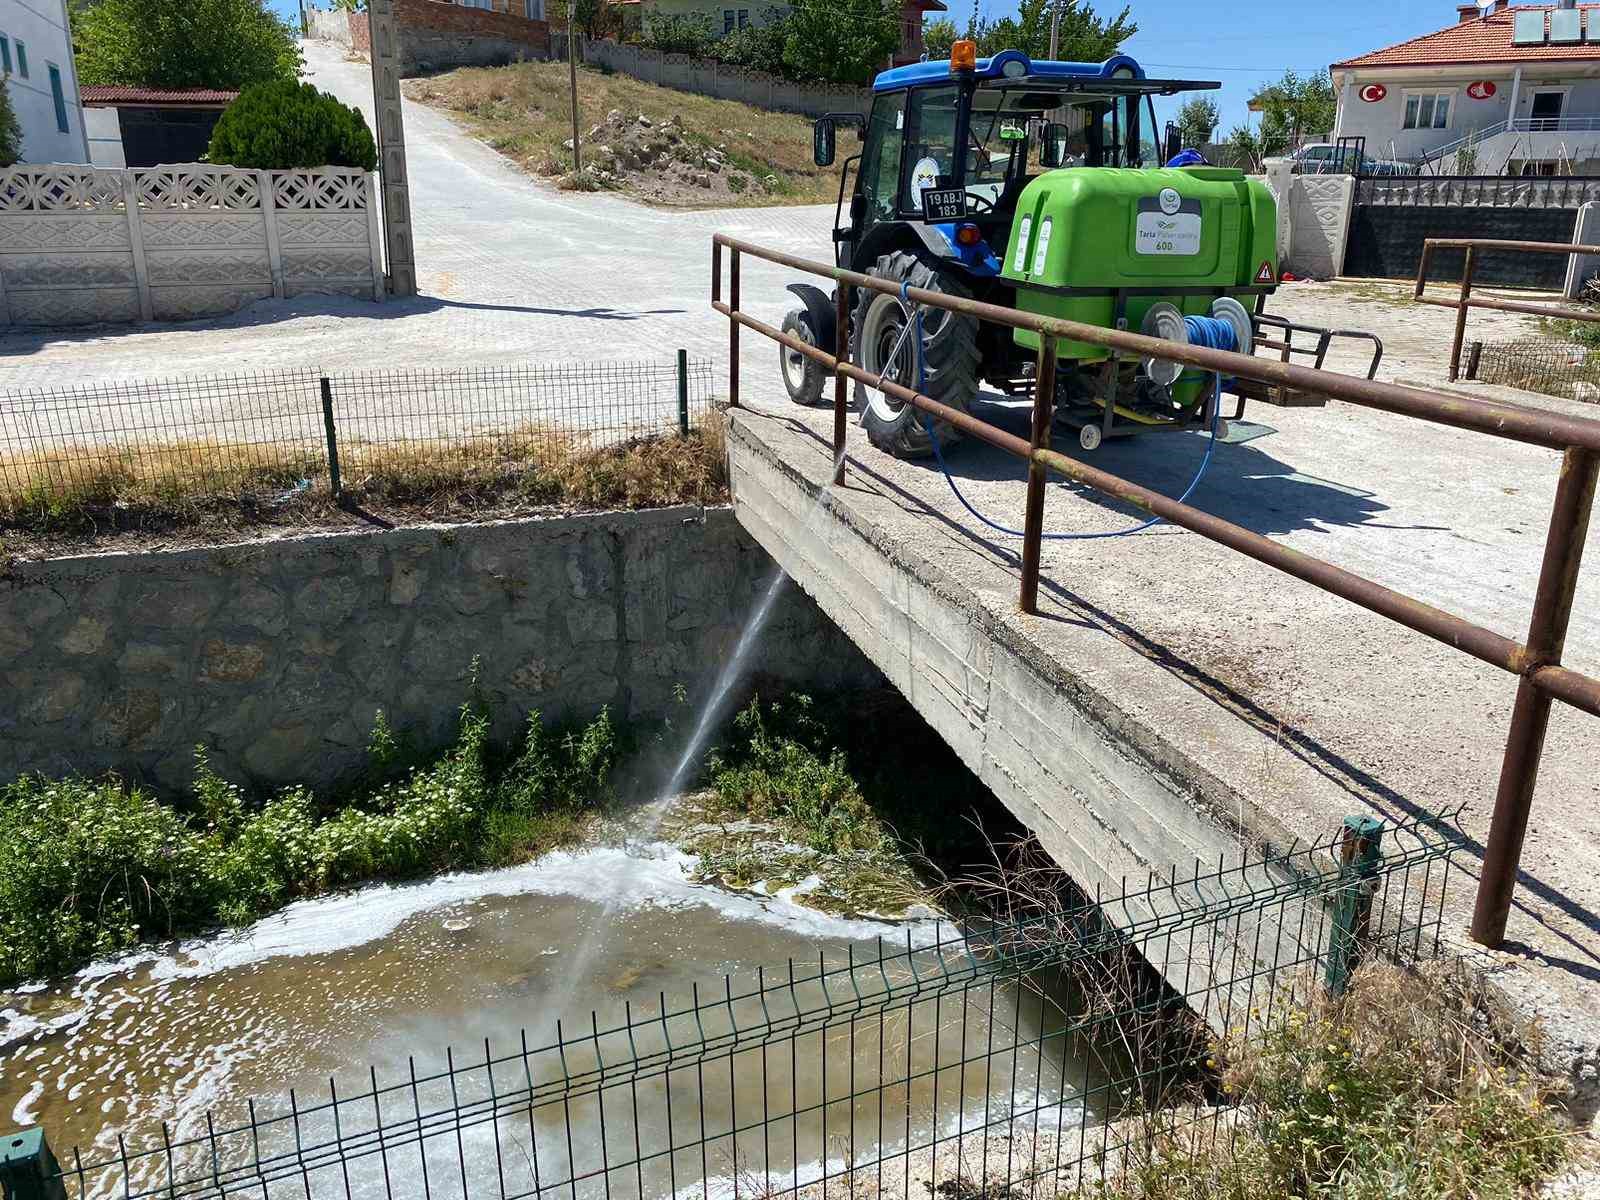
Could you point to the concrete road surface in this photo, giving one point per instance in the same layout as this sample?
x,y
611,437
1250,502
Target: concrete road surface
x,y
511,271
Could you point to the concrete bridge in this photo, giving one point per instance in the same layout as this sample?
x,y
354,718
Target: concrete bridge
x,y
1173,700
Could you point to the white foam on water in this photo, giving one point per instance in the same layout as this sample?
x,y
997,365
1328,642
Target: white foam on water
x,y
652,875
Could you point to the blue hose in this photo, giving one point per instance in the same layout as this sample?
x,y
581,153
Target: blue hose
x,y
1209,332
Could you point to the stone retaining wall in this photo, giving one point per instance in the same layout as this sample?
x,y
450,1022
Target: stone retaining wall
x,y
435,36
278,655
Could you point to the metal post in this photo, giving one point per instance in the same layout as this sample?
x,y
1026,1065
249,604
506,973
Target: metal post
x,y
683,393
733,329
384,33
841,354
333,438
1474,355
1044,410
28,1169
1359,856
1530,718
1462,308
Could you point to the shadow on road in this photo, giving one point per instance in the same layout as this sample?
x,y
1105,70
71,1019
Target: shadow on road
x,y
27,339
1244,484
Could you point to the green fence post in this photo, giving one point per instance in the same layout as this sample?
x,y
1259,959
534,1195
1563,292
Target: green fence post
x,y
28,1170
1359,857
333,438
683,392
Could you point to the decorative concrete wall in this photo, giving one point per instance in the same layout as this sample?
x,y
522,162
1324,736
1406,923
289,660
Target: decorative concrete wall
x,y
1313,219
707,77
277,655
80,244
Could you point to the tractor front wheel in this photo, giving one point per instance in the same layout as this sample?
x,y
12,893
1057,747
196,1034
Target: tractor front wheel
x,y
880,345
803,376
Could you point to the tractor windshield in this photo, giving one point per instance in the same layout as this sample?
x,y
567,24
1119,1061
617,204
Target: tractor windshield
x,y
1101,131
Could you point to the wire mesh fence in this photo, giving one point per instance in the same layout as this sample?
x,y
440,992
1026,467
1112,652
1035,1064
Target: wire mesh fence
x,y
1555,368
255,435
1015,1058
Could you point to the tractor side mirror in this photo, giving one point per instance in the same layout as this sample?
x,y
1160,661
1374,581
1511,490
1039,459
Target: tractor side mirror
x,y
823,139
1053,145
1174,145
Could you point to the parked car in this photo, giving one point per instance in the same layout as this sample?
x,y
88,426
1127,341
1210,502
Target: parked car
x,y
1325,158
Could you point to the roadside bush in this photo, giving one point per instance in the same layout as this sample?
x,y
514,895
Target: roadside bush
x,y
1408,1086
92,868
680,33
284,125
757,47
10,131
781,767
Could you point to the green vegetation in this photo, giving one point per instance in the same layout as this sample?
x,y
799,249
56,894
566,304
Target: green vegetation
x,y
1198,120
199,43
845,41
284,125
94,867
801,790
1085,36
10,131
1293,108
1408,1086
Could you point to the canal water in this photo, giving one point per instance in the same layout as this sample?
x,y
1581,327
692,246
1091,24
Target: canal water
x,y
391,983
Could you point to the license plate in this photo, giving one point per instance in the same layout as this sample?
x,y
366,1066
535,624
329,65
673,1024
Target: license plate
x,y
944,204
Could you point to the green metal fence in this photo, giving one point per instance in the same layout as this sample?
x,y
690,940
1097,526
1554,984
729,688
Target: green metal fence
x,y
1013,1058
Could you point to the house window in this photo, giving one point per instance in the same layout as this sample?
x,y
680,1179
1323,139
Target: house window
x,y
729,20
59,97
22,60
534,10
1428,110
744,18
5,55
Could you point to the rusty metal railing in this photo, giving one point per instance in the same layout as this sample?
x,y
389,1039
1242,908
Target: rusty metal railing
x,y
1536,663
1466,301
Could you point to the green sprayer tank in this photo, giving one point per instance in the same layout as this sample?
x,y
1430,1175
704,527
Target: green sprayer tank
x,y
1104,228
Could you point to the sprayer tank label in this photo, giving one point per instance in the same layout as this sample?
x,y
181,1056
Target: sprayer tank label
x,y
1157,231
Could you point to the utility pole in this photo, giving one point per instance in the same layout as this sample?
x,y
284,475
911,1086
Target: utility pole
x,y
384,30
1055,30
572,75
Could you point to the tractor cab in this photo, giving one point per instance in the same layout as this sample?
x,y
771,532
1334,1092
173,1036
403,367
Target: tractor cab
x,y
947,147
1037,186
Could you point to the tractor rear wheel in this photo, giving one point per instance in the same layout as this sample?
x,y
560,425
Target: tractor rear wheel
x,y
950,358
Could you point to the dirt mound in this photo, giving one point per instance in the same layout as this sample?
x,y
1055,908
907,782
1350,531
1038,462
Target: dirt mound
x,y
661,161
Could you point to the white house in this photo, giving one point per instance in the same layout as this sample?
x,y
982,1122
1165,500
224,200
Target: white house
x,y
1503,90
36,60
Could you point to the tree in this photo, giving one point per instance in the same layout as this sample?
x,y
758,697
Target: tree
x,y
1245,147
194,43
679,33
1198,120
1292,108
841,41
938,36
1084,37
10,131
594,19
285,125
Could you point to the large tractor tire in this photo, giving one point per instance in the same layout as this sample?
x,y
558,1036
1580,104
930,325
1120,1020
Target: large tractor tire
x,y
950,358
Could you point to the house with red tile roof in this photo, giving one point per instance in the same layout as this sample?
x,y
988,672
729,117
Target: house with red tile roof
x,y
1504,89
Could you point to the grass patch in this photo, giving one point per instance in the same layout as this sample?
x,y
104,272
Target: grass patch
x,y
856,796
90,868
1408,1086
523,111
82,490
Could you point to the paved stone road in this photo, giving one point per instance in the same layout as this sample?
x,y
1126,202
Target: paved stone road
x,y
512,271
